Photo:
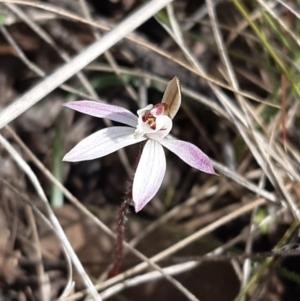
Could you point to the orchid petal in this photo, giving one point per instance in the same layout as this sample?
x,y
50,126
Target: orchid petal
x,y
103,110
149,174
102,143
172,96
189,153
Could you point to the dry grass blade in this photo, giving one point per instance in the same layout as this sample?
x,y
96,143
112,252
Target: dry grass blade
x,y
109,57
293,11
233,111
48,39
101,225
269,9
64,55
219,50
141,42
173,249
69,285
34,95
40,269
151,276
186,266
28,171
211,227
21,54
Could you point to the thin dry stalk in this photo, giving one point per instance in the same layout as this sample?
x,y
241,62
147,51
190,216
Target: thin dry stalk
x,y
109,57
136,40
60,232
99,223
69,69
64,55
38,253
69,283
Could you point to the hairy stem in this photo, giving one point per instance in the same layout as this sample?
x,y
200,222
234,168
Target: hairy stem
x,y
118,249
121,219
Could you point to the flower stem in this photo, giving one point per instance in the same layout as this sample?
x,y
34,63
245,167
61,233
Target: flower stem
x,y
121,219
118,252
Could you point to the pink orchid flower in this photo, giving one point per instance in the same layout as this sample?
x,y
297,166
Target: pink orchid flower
x,y
153,123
